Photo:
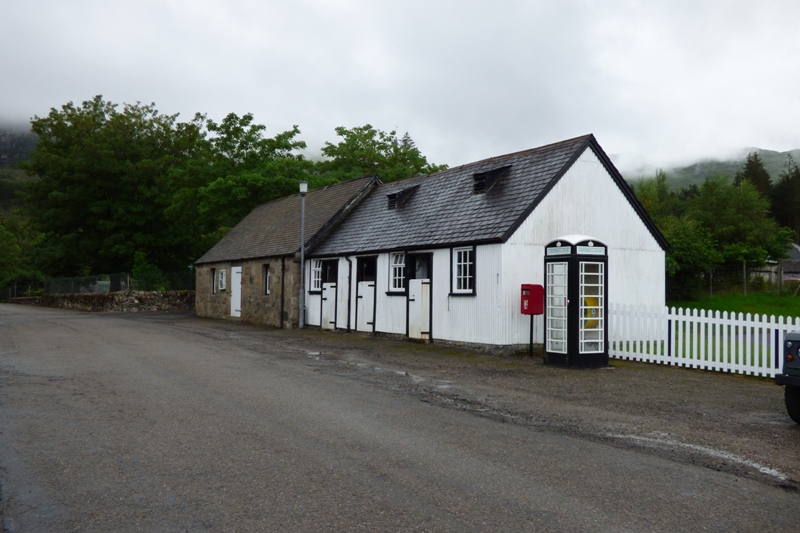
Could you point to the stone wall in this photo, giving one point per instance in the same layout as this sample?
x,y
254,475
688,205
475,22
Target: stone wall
x,y
120,302
277,308
211,301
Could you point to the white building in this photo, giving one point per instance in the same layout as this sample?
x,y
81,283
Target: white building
x,y
442,257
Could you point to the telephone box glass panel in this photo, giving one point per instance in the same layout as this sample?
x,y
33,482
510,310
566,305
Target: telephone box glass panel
x,y
592,305
556,302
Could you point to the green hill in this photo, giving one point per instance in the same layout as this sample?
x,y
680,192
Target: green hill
x,y
774,163
16,145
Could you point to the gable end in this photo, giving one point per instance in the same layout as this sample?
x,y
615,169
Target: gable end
x,y
627,191
563,170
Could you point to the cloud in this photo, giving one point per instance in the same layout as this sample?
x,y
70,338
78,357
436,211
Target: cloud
x,y
657,82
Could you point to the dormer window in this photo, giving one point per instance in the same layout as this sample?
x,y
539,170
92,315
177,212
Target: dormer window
x,y
483,181
479,183
400,198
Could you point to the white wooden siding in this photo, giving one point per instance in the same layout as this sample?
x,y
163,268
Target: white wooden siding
x,y
390,312
587,201
477,318
521,263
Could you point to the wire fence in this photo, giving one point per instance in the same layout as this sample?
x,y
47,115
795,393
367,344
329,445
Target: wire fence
x,y
18,290
88,284
175,281
746,279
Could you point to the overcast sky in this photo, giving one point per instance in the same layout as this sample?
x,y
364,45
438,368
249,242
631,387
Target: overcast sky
x,y
657,82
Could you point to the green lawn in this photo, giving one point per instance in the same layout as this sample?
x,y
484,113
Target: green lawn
x,y
769,303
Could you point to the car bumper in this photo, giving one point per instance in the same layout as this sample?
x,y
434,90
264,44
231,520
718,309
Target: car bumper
x,y
786,379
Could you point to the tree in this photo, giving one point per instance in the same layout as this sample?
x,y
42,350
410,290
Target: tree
x,y
710,226
756,174
147,276
17,252
10,256
786,199
100,196
250,169
692,254
655,196
739,222
691,258
364,150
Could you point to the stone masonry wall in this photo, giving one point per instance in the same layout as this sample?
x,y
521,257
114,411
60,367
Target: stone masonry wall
x,y
257,306
211,302
121,302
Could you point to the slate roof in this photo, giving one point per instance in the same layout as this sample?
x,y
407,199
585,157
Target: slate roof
x,y
273,228
444,211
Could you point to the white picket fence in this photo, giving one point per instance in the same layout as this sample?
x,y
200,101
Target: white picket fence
x,y
721,341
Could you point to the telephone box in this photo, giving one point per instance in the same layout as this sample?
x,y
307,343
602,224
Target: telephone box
x,y
576,307
531,299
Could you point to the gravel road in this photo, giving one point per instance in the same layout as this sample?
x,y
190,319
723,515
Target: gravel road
x,y
168,422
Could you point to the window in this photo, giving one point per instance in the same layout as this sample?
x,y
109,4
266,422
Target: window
x,y
323,271
463,260
221,284
479,183
398,199
483,181
265,279
213,281
397,272
316,275
366,268
330,271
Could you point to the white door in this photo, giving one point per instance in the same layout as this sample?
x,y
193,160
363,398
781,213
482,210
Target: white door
x,y
365,306
236,291
419,308
328,317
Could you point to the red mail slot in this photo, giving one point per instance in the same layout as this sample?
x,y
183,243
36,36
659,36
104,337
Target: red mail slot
x,y
532,302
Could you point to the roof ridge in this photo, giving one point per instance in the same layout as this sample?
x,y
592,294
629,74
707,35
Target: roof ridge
x,y
585,138
326,187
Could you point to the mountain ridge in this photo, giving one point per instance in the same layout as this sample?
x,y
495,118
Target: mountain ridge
x,y
695,173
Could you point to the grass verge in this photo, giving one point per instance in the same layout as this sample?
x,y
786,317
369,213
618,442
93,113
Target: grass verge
x,y
763,303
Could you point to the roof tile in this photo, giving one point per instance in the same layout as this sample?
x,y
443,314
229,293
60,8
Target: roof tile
x,y
444,210
273,228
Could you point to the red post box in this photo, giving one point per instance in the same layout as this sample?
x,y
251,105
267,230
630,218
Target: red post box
x,y
532,299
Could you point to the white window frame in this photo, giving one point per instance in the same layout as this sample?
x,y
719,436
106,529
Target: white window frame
x,y
397,271
221,279
265,275
463,275
316,275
